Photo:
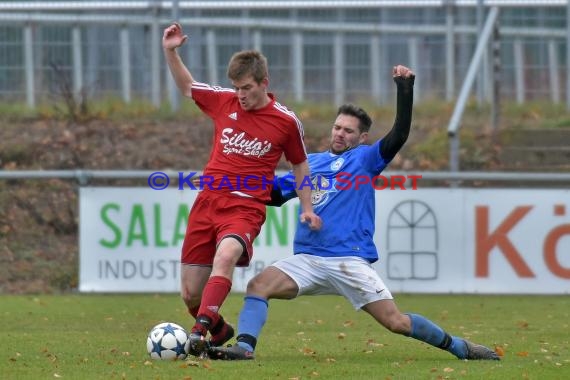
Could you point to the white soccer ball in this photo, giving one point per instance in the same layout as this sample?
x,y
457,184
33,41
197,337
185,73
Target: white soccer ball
x,y
167,341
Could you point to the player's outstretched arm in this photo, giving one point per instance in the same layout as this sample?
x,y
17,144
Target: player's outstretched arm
x,y
303,189
173,38
395,139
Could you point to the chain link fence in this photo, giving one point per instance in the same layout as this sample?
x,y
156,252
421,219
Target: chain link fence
x,y
321,51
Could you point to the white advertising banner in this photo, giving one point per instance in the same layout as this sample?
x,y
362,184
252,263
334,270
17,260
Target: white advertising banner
x,y
474,241
429,240
131,239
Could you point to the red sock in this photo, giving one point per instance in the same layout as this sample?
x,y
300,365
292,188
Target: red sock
x,y
215,293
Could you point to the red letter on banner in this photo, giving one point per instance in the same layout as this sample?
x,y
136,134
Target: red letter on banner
x,y
485,241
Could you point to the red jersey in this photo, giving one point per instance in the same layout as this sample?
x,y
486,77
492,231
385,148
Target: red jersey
x,y
247,145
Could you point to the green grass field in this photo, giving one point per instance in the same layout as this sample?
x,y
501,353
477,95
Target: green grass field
x,y
104,336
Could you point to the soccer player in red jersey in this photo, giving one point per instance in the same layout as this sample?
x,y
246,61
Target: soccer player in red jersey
x,y
251,132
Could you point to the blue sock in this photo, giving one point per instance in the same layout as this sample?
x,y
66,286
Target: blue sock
x,y
251,320
425,330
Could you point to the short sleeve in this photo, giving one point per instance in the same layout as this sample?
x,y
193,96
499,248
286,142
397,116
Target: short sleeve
x,y
372,159
210,99
294,149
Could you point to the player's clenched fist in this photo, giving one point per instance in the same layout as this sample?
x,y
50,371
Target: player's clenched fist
x,y
402,71
173,37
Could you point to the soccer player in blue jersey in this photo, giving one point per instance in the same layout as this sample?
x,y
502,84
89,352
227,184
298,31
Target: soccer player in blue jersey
x,y
337,259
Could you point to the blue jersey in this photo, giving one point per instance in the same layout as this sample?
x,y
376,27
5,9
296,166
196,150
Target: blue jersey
x,y
343,196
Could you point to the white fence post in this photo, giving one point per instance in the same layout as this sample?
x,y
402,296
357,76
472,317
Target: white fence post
x,y
212,57
553,71
77,61
375,77
125,64
298,68
29,66
339,72
519,70
449,52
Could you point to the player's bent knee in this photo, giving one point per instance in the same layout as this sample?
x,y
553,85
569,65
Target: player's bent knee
x,y
398,324
401,325
272,283
256,286
263,285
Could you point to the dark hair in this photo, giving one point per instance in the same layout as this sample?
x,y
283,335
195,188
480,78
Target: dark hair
x,y
248,62
352,110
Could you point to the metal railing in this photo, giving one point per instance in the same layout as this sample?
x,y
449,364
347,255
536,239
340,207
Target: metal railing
x,y
265,4
355,50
